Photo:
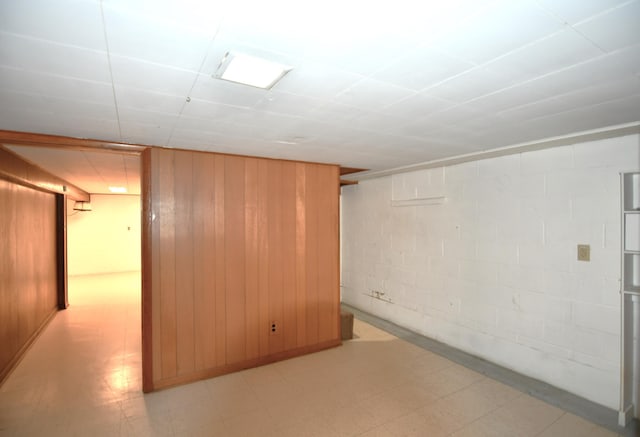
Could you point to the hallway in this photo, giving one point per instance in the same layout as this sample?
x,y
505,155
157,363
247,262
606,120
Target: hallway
x,y
85,364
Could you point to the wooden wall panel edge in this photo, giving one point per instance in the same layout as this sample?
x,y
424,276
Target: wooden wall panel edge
x,y
146,306
59,141
61,252
10,367
338,254
18,170
247,364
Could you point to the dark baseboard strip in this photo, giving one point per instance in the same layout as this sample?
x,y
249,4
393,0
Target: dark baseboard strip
x,y
596,413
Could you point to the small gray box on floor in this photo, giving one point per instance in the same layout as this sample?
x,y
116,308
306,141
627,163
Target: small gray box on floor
x,y
346,325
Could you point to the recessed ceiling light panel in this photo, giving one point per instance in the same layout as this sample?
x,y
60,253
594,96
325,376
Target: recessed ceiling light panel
x,y
249,70
118,190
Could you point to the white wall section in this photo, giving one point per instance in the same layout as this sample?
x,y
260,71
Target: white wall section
x,y
106,239
493,269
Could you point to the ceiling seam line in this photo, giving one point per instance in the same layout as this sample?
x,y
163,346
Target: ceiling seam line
x,y
516,84
193,85
84,155
113,85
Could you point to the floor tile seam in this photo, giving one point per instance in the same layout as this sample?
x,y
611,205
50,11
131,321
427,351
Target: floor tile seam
x,y
493,409
520,394
556,421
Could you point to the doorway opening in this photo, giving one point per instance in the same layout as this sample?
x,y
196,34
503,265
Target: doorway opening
x,y
101,328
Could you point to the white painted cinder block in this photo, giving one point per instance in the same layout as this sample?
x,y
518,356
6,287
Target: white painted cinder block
x,y
544,161
493,270
621,152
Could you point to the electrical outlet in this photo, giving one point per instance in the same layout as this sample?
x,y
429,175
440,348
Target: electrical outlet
x,y
584,252
274,327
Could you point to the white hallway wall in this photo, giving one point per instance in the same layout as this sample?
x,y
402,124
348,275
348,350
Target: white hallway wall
x,y
493,270
106,239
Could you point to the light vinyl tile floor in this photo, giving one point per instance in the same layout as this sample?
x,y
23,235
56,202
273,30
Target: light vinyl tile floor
x,y
82,377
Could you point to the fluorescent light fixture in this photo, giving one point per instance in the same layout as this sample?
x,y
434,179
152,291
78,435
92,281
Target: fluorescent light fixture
x,y
118,190
79,205
249,70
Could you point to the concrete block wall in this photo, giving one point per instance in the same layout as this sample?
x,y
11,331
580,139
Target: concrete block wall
x,y
493,270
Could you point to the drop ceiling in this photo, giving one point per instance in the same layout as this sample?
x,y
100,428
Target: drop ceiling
x,y
94,172
374,84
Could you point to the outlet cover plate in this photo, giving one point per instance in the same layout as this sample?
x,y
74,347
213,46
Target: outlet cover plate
x,y
584,252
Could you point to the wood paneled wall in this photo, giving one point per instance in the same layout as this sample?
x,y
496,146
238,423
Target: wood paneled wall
x,y
28,282
14,168
242,263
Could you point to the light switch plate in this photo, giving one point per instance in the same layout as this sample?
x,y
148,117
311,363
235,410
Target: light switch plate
x,y
584,252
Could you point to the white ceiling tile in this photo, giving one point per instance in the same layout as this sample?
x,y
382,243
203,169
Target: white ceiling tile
x,y
422,68
621,111
442,149
614,29
470,85
573,11
317,80
627,60
469,127
360,57
159,38
199,139
336,113
310,128
505,137
552,53
145,133
39,55
500,29
417,106
419,129
148,100
517,95
75,22
450,134
334,135
87,127
159,119
133,73
272,24
321,31
229,93
23,120
372,94
78,108
378,122
438,20
56,123
190,16
213,113
58,116
15,101
44,84
620,88
287,103
536,109
604,68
